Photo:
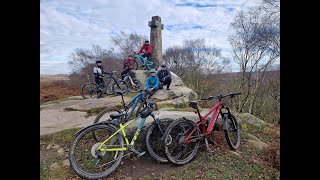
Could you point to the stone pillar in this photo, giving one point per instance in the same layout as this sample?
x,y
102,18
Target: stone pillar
x,y
156,38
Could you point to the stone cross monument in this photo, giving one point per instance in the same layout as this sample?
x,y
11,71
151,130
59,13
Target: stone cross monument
x,y
156,38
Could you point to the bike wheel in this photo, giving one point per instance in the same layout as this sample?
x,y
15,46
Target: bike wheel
x,y
136,87
176,150
232,131
154,139
104,115
135,65
89,90
121,86
155,64
109,89
143,105
89,163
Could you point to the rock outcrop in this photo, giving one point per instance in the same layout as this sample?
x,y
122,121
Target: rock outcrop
x,y
249,119
178,93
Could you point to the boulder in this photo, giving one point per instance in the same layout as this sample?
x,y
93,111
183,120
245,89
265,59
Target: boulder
x,y
257,143
142,75
251,120
178,93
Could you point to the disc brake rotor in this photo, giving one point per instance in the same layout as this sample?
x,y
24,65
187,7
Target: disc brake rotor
x,y
95,151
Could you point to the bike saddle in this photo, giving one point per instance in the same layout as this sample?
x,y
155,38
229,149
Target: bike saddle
x,y
115,116
119,92
194,104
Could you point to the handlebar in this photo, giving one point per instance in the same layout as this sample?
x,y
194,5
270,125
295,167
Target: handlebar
x,y
137,54
232,95
110,73
140,90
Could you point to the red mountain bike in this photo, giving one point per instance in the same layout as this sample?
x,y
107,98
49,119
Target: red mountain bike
x,y
182,137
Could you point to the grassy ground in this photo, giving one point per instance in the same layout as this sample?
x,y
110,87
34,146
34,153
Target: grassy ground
x,y
248,162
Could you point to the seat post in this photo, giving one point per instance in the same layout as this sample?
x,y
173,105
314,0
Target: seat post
x,y
124,104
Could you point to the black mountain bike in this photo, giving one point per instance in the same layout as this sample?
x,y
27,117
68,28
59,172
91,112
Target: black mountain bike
x,y
112,83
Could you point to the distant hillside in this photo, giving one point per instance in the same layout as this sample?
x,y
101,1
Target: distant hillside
x,y
56,77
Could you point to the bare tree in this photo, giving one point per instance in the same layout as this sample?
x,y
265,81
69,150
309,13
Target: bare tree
x,y
256,46
83,60
127,43
194,62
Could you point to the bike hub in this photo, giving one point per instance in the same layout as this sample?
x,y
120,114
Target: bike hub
x,y
95,152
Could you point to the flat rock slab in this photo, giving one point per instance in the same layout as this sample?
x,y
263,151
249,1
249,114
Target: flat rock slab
x,y
174,93
102,102
55,120
59,105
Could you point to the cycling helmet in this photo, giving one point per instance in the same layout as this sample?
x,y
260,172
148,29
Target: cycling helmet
x,y
152,71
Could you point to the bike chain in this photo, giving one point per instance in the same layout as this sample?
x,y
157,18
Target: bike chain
x,y
115,159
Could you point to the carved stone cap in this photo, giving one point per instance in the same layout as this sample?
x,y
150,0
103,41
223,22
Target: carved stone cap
x,y
155,23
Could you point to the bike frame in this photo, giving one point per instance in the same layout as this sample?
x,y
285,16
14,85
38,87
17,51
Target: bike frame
x,y
121,129
130,79
133,102
205,131
143,60
107,81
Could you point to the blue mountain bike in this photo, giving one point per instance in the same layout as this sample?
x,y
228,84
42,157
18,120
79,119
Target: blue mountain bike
x,y
145,63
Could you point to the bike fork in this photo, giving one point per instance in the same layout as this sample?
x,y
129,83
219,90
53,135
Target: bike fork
x,y
207,145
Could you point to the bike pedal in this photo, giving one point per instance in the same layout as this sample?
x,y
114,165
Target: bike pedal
x,y
141,154
137,152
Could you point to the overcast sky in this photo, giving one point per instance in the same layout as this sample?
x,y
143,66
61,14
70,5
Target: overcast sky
x,y
69,24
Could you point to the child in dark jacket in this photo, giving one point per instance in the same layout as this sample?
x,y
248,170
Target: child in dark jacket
x,y
127,66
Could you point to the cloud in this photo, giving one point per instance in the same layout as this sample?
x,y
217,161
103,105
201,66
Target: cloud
x,y
67,25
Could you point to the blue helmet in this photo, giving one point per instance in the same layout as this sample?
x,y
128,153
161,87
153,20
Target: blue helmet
x,y
152,71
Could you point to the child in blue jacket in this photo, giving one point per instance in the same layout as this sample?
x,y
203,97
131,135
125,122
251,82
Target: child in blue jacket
x,y
152,83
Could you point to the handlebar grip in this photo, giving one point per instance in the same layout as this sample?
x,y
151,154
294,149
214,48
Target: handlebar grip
x,y
208,98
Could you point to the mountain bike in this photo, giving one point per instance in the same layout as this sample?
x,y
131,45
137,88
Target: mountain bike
x,y
182,137
134,84
133,103
148,64
98,157
111,84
